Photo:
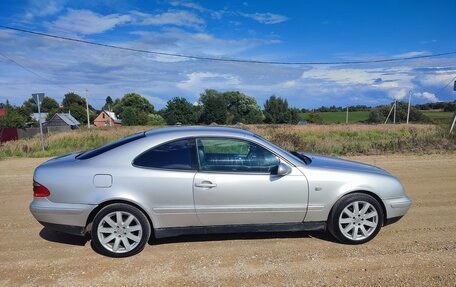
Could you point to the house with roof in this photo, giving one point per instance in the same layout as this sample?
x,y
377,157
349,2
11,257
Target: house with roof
x,y
2,111
106,118
63,120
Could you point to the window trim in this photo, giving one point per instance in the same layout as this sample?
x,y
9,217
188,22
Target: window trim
x,y
112,145
193,156
237,172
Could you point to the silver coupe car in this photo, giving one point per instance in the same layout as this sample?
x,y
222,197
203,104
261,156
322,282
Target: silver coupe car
x,y
199,180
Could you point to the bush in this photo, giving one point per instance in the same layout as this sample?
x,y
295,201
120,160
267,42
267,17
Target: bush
x,y
155,120
379,114
315,118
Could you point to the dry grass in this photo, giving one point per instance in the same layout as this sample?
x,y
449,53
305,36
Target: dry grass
x,y
328,139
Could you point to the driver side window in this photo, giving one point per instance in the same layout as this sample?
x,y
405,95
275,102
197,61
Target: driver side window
x,y
234,155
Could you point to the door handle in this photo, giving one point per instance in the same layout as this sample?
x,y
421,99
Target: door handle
x,y
205,184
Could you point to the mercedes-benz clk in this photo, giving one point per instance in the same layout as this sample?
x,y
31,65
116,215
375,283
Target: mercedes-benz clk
x,y
200,180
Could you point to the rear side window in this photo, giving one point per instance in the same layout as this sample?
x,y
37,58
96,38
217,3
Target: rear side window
x,y
110,146
178,154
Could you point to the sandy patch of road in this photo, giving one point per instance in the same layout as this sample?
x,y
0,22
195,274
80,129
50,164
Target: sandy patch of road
x,y
418,250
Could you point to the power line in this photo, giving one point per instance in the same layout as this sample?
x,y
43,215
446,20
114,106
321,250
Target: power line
x,y
225,59
439,91
31,71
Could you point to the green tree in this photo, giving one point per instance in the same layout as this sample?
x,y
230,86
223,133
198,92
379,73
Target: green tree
x,y
380,113
315,118
214,107
71,99
294,115
276,111
135,101
179,110
47,105
129,117
108,104
15,117
242,108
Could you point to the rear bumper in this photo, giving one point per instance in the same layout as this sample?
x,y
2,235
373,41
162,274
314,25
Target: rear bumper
x,y
70,218
397,207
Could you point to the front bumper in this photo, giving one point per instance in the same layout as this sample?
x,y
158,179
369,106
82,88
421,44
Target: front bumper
x,y
65,217
397,207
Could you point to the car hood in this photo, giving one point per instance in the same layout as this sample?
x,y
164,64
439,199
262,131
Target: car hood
x,y
327,162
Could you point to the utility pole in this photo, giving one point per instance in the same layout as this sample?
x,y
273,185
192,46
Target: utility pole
x,y
87,107
38,97
408,110
389,114
394,114
454,114
346,117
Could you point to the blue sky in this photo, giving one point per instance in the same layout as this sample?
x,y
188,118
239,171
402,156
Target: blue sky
x,y
260,30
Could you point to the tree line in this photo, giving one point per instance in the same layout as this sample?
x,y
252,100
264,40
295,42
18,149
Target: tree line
x,y
229,107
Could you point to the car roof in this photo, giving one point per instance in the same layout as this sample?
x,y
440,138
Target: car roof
x,y
199,130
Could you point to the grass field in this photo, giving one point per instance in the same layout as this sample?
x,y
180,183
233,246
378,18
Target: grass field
x,y
339,117
352,139
441,118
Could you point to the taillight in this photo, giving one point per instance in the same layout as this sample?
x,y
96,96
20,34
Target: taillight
x,y
40,190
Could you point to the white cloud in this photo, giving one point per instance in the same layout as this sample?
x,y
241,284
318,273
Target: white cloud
x,y
196,82
176,18
191,5
174,40
429,97
438,78
412,54
37,8
266,18
86,22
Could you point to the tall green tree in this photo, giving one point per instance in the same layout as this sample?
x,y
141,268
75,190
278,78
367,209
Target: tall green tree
x,y
135,101
242,108
108,104
276,110
214,107
179,110
71,99
47,105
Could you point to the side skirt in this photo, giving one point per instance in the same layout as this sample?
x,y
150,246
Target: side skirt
x,y
241,228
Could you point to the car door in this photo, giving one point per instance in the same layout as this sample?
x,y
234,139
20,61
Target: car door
x,y
164,178
237,184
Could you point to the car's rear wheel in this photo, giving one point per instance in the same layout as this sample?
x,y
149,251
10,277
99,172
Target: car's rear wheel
x,y
120,230
356,218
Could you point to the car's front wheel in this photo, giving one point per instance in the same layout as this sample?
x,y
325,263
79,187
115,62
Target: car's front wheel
x,y
120,230
356,218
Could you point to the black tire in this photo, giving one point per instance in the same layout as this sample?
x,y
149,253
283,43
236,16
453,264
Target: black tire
x,y
333,221
141,219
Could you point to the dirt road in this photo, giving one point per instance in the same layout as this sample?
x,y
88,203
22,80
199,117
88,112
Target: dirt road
x,y
418,250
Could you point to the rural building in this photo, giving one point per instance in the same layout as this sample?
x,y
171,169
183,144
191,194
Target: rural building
x,y
106,118
63,120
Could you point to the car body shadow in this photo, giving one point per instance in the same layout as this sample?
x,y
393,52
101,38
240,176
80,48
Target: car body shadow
x,y
65,238
70,239
242,236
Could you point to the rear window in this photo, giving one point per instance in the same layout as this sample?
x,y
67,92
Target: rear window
x,y
110,146
173,155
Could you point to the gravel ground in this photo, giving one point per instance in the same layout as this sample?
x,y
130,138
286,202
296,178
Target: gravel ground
x,y
419,250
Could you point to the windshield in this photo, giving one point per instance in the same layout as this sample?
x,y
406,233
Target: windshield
x,y
110,146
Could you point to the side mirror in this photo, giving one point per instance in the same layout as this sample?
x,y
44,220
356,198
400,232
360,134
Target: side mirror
x,y
283,169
